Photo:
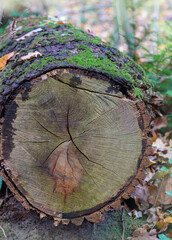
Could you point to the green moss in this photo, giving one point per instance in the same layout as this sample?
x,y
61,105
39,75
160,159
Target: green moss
x,y
88,53
88,59
36,65
138,92
77,35
113,226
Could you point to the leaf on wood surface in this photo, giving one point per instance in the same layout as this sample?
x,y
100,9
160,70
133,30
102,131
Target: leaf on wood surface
x,y
31,55
4,59
29,34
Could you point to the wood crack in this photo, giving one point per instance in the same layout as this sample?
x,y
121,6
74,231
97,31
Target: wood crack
x,y
85,89
46,129
82,152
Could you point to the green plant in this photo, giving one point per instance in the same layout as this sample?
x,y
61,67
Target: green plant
x,y
158,68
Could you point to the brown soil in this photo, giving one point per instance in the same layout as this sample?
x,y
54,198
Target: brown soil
x,y
19,224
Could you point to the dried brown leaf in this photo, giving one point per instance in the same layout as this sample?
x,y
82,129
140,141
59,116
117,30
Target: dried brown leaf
x,y
168,219
142,194
143,234
162,225
158,193
4,59
160,122
152,215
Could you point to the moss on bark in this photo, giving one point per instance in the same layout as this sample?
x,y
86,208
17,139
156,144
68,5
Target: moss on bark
x,y
64,46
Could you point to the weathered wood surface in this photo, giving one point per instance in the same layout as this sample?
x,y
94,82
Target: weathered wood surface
x,y
74,140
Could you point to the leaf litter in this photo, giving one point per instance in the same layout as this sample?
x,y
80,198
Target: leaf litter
x,y
153,195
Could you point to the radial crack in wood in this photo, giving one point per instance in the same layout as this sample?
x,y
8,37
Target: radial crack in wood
x,y
70,150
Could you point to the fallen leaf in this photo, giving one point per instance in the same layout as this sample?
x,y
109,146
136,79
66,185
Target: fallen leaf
x,y
143,234
160,122
149,174
168,219
162,225
142,194
29,34
161,145
4,59
159,194
152,215
159,213
31,55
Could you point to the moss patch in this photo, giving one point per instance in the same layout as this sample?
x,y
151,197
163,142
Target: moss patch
x,y
67,46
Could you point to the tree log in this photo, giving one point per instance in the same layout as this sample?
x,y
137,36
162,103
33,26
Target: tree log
x,y
74,122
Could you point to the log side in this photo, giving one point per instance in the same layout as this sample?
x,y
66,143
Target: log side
x,y
77,66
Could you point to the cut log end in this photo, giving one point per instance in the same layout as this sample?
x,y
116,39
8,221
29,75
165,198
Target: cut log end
x,y
70,147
